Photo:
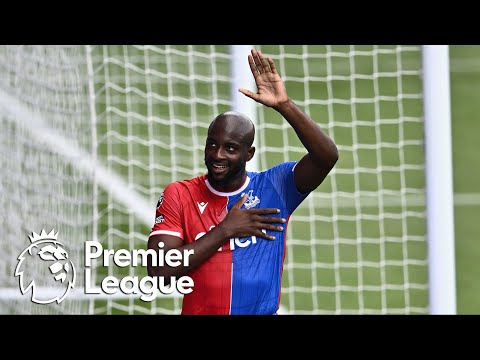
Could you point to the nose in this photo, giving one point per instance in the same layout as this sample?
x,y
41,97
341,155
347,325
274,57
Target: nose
x,y
219,153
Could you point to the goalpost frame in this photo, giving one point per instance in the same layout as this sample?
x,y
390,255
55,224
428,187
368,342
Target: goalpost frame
x,y
242,78
439,183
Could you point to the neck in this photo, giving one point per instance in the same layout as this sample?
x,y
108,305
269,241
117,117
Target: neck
x,y
231,186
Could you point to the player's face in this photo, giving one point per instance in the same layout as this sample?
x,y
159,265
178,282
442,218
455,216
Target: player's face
x,y
225,158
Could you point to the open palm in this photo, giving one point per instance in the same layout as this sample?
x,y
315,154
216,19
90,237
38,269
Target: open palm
x,y
270,88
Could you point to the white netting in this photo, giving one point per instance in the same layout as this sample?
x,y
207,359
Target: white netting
x,y
356,245
43,112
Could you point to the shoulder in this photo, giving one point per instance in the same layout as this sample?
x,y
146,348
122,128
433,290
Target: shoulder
x,y
282,167
194,182
183,185
278,174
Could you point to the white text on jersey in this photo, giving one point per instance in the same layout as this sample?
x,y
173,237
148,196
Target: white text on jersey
x,y
234,242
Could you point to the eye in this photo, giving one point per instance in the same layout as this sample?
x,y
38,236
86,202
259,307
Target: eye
x,y
231,147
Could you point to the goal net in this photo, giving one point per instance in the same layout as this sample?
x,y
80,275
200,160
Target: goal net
x,y
46,176
91,135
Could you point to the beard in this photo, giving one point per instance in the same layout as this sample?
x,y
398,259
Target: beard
x,y
231,176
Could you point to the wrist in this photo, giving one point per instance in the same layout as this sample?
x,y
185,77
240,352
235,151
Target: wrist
x,y
284,106
221,232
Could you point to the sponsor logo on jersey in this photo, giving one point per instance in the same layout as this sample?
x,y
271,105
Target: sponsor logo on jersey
x,y
233,243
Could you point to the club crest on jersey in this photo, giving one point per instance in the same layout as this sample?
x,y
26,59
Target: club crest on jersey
x,y
252,201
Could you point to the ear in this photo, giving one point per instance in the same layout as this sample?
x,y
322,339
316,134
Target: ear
x,y
251,152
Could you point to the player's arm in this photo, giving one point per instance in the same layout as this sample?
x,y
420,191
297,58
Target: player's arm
x,y
322,151
238,223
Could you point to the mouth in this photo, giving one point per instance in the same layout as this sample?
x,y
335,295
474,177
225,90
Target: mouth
x,y
218,169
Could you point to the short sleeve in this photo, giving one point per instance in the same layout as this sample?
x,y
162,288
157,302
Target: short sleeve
x,y
282,178
168,214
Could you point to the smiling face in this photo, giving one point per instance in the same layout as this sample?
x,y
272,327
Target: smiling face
x,y
227,149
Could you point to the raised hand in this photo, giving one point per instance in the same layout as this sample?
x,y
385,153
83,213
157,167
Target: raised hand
x,y
250,222
270,88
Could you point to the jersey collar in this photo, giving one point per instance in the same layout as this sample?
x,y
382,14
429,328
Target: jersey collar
x,y
219,193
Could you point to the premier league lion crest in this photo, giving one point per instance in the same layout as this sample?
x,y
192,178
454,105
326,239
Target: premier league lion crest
x,y
45,268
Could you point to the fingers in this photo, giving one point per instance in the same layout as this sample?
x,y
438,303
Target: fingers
x,y
261,211
272,227
260,234
258,64
240,202
265,65
270,219
263,224
272,66
249,93
253,67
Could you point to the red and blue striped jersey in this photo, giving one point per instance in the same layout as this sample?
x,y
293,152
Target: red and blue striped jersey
x,y
244,276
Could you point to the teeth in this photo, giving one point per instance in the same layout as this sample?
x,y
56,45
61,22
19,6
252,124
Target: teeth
x,y
219,166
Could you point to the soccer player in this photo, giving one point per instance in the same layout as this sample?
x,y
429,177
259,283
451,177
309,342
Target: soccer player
x,y
236,221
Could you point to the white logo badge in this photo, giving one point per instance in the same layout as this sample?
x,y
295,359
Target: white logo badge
x,y
252,201
160,200
47,253
202,206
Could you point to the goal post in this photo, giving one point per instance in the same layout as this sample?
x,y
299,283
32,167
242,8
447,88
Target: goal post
x,y
439,174
93,134
242,78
